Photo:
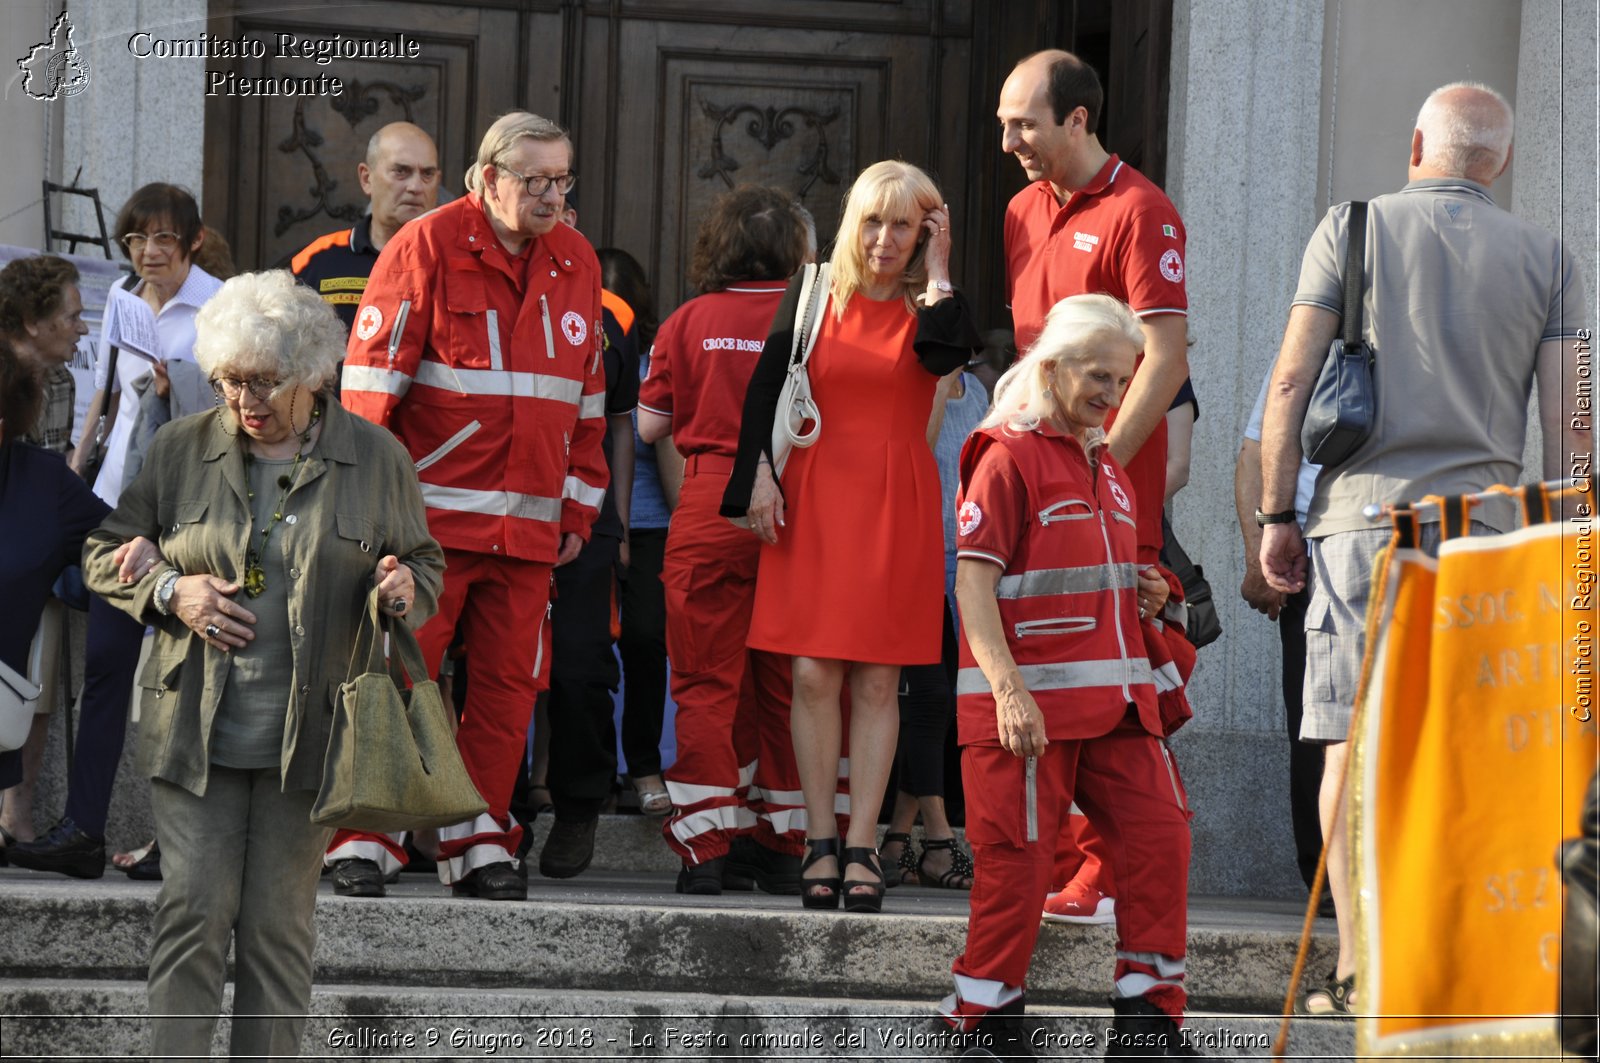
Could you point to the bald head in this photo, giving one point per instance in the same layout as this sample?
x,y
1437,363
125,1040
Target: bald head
x,y
400,176
1463,130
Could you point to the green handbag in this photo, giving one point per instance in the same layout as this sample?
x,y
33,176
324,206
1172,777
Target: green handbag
x,y
392,763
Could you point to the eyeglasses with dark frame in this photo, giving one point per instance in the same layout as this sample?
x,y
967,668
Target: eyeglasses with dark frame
x,y
538,184
164,241
229,387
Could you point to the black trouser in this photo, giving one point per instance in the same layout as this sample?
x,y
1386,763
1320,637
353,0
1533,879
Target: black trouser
x,y
927,705
1305,759
111,656
583,675
644,651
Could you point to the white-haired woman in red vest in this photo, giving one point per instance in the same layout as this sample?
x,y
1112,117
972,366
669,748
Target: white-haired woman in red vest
x,y
1056,697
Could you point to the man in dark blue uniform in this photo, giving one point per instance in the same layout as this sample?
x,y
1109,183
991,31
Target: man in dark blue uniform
x,y
401,178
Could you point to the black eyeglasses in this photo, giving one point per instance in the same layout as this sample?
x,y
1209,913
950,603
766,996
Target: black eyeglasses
x,y
538,184
229,387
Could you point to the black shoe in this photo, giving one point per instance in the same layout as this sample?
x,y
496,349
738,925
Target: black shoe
x,y
356,877
1140,1030
1003,1033
774,872
64,849
569,848
495,882
702,880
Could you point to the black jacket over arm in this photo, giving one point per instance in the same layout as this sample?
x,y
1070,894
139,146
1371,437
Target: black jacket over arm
x,y
946,337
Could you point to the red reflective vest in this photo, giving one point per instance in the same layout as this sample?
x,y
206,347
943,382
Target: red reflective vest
x,y
1069,595
488,368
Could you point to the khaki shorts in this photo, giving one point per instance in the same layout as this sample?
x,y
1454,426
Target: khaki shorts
x,y
1336,623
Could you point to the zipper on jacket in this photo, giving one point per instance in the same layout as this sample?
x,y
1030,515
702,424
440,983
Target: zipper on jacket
x,y
448,445
1116,612
1055,625
1068,509
549,333
398,332
1031,774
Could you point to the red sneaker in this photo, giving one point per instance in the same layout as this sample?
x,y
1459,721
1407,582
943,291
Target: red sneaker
x,y
1080,903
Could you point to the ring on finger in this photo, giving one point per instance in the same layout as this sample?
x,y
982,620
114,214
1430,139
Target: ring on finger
x,y
212,631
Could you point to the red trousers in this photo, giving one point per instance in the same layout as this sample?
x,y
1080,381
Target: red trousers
x,y
502,606
1128,784
735,771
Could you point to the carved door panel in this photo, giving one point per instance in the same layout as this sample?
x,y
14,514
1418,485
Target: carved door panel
x,y
677,109
288,165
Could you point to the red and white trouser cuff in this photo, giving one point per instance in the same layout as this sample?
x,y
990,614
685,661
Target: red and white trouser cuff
x,y
465,847
388,851
1157,978
974,999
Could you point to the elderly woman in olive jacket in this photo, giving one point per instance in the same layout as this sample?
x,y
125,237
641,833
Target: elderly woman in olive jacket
x,y
251,540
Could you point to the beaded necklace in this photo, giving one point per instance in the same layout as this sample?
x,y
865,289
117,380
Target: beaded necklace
x,y
255,578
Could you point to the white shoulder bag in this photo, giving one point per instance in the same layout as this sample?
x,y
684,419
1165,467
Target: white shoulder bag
x,y
798,422
19,696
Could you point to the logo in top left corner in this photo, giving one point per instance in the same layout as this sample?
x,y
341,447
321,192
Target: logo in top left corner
x,y
55,69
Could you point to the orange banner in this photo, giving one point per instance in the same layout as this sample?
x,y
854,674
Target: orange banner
x,y
1475,744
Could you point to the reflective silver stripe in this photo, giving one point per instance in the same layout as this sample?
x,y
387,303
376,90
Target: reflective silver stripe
x,y
1176,612
1085,579
1068,675
582,493
491,503
448,445
399,329
1116,615
372,378
594,405
500,382
492,319
1177,795
1117,514
549,333
538,653
1032,773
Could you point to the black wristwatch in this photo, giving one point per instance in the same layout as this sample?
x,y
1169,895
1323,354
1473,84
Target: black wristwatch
x,y
1263,519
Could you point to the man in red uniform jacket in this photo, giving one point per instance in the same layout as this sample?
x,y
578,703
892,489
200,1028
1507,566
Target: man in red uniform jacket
x,y
1090,223
478,344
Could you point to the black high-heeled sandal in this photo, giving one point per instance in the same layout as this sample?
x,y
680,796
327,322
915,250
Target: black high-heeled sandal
x,y
820,893
906,866
871,897
958,877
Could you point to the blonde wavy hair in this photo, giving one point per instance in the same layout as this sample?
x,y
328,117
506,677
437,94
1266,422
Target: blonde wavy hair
x,y
1024,397
265,324
889,189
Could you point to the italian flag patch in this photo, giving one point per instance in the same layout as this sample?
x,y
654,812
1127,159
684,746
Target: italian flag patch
x,y
1169,232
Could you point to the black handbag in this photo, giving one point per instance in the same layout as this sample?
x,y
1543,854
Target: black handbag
x,y
1204,626
1344,404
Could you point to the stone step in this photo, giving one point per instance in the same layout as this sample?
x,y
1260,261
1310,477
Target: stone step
x,y
103,1019
631,933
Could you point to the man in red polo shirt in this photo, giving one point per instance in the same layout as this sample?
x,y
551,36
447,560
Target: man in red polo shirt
x,y
1090,223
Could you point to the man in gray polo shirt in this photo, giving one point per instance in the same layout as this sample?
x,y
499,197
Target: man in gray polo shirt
x,y
1465,306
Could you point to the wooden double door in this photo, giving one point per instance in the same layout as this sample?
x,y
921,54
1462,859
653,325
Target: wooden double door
x,y
670,103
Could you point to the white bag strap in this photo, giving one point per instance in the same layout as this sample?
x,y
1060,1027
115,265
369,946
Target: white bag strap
x,y
812,308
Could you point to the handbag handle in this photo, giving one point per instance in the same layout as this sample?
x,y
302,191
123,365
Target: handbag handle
x,y
805,337
367,653
1355,261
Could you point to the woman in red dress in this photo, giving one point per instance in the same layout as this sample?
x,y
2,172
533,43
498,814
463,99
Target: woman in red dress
x,y
851,572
